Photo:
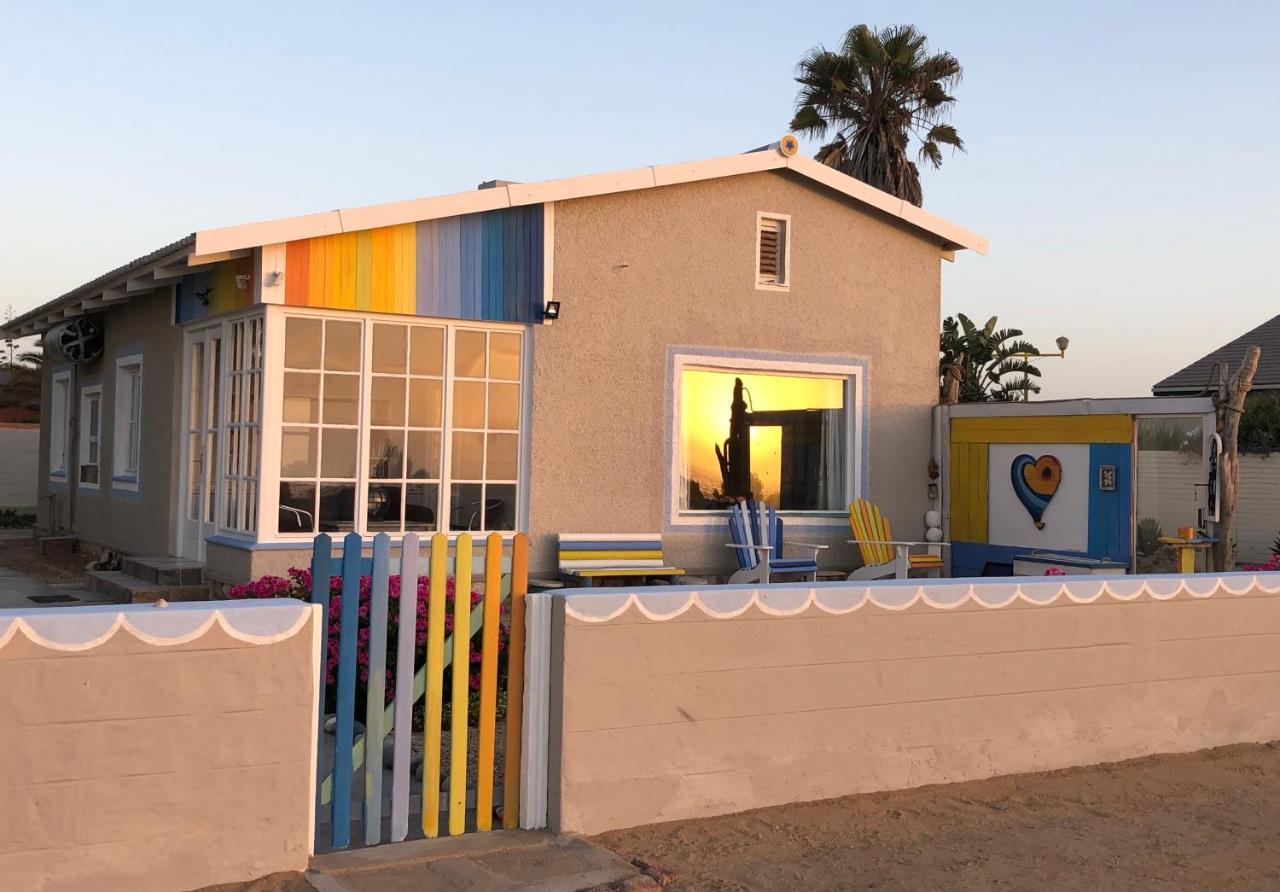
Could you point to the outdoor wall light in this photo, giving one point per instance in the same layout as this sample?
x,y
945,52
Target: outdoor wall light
x,y
551,311
1062,342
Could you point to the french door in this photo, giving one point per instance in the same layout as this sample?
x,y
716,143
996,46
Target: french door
x,y
202,416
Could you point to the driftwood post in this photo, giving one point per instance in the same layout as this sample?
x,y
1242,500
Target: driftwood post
x,y
1230,408
952,375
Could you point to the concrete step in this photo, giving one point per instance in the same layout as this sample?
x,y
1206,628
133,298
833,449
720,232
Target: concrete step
x,y
162,570
58,545
122,588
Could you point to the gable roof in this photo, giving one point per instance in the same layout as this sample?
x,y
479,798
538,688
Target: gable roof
x,y
504,195
166,265
1195,377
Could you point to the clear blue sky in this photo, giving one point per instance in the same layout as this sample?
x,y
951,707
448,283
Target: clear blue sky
x,y
1122,157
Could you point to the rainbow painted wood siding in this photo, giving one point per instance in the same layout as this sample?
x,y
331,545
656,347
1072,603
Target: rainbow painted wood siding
x,y
214,291
485,266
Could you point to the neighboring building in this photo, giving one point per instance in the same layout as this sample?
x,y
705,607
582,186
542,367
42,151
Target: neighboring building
x,y
1199,377
391,368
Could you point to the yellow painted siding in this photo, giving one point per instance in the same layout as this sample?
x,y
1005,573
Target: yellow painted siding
x,y
968,492
1044,429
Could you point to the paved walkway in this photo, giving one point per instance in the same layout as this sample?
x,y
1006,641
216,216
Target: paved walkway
x,y
501,861
17,591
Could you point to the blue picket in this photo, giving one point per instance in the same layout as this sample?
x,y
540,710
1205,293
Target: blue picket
x,y
321,559
376,698
344,732
405,644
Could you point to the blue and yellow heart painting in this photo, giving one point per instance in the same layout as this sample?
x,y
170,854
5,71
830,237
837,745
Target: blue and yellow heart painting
x,y
1035,480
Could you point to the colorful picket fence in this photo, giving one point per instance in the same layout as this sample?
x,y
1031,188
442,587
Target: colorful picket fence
x,y
360,758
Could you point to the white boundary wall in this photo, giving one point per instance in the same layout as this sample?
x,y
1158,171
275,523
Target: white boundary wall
x,y
19,465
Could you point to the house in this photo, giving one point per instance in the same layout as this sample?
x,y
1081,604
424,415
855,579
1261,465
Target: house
x,y
1199,377
557,356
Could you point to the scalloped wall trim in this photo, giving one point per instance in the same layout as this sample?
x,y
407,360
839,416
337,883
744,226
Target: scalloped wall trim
x,y
727,602
84,628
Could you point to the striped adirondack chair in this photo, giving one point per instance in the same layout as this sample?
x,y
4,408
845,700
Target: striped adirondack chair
x,y
882,557
756,534
590,556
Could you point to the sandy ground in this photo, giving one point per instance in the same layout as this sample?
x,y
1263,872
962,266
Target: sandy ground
x,y
23,554
1208,820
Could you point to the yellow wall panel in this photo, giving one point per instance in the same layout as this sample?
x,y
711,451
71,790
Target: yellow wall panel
x,y
968,492
1044,429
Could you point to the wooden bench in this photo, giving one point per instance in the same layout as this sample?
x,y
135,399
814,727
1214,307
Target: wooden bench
x,y
599,556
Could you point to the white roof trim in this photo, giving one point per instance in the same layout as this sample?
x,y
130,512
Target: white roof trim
x,y
251,235
1136,405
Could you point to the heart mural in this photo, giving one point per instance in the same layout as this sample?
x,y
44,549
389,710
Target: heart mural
x,y
1035,480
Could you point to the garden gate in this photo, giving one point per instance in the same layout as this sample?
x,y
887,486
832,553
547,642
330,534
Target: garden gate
x,y
393,636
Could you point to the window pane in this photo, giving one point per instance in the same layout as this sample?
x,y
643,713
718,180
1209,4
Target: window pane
x,y
466,511
337,507
501,460
426,350
423,459
341,399
1170,463
468,456
504,406
301,397
302,343
500,506
468,360
386,454
342,346
784,437
298,452
425,402
297,508
384,509
338,452
468,404
421,501
504,356
388,349
386,401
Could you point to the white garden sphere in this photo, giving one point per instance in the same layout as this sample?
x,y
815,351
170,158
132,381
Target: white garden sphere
x,y
933,534
932,519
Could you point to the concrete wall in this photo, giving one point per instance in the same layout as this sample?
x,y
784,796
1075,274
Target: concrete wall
x,y
696,715
19,464
639,272
138,766
1258,512
142,522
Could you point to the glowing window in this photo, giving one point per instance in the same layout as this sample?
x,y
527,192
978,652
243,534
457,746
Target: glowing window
x,y
782,438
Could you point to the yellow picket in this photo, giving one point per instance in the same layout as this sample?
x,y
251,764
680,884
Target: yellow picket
x,y
435,686
461,686
515,682
488,680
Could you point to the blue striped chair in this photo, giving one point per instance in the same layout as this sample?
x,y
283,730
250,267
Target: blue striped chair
x,y
756,534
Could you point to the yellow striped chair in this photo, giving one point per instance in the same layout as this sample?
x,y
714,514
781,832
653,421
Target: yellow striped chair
x,y
882,556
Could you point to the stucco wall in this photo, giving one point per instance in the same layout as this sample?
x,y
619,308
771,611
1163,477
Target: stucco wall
x,y
138,766
19,465
696,715
142,522
640,272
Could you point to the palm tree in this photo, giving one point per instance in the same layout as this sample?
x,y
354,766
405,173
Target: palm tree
x,y
995,364
876,93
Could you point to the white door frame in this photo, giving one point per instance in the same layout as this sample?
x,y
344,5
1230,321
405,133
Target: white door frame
x,y
194,531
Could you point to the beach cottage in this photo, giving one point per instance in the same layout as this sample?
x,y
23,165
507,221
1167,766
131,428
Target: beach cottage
x,y
616,353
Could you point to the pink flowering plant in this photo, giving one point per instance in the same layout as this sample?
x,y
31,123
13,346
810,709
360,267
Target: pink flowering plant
x,y
1272,565
1055,571
298,585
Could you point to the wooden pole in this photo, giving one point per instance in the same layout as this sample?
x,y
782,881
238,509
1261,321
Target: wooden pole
x,y
1230,408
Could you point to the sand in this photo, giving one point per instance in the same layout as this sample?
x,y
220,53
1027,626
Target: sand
x,y
1208,820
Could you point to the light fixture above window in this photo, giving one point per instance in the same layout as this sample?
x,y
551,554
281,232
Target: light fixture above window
x,y
551,311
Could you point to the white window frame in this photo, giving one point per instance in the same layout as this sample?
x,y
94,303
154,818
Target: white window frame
x,y
854,375
126,411
239,423
88,394
59,425
785,283
272,420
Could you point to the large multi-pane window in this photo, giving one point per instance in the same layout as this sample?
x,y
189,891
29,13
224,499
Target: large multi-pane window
x,y
783,435
392,426
244,425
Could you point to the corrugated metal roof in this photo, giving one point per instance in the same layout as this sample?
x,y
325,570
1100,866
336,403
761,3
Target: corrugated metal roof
x,y
1195,378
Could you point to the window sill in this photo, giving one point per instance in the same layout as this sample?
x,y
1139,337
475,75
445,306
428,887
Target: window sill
x,y
127,482
769,286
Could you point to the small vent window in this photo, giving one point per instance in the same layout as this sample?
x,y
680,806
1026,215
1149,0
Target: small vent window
x,y
773,251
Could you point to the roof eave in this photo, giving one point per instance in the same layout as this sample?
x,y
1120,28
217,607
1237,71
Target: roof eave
x,y
949,236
